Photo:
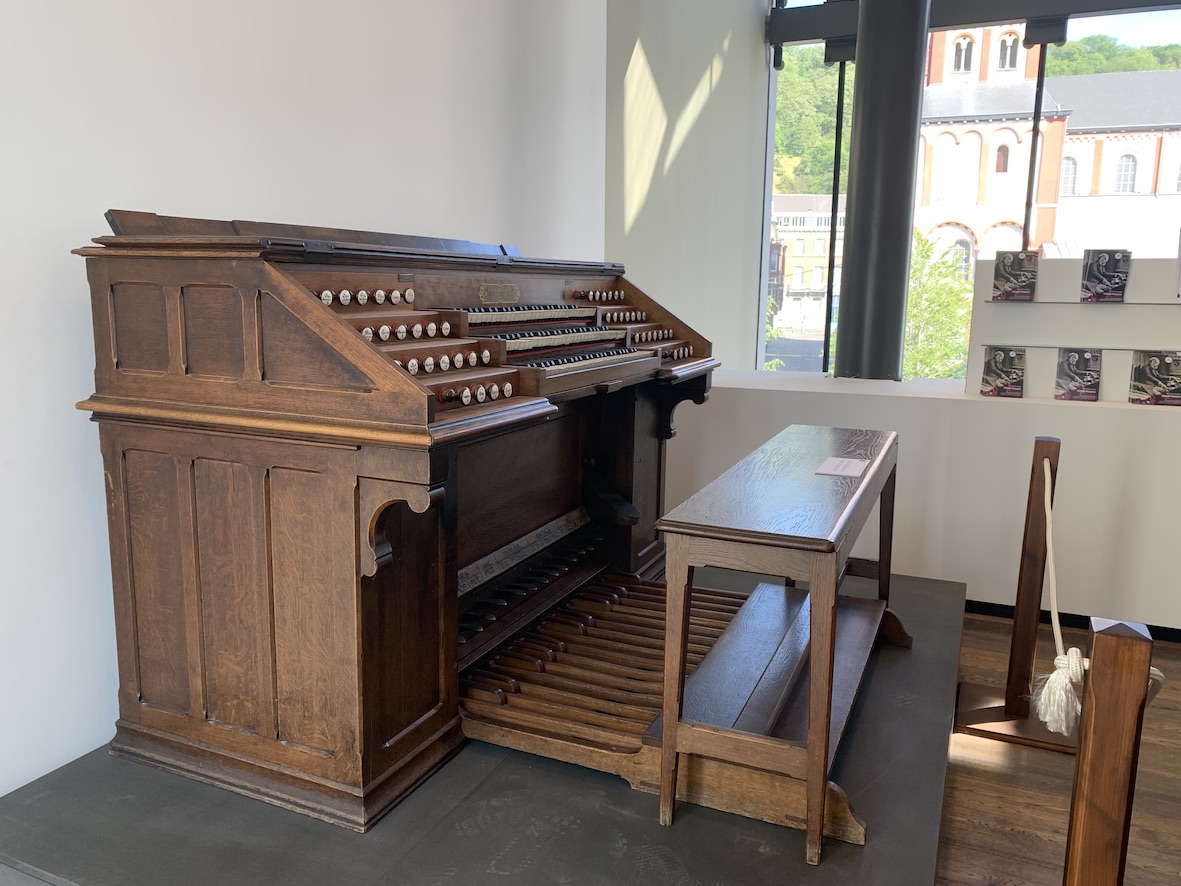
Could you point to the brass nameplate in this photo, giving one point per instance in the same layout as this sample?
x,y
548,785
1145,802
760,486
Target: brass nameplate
x,y
499,293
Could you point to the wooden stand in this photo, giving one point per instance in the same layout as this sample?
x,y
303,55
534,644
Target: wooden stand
x,y
1108,751
772,513
983,710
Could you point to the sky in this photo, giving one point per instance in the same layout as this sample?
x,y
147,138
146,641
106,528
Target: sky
x,y
1132,29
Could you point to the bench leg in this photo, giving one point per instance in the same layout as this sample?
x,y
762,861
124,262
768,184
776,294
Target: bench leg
x,y
822,598
679,578
886,535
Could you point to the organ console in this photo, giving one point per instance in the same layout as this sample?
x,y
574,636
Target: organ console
x,y
363,488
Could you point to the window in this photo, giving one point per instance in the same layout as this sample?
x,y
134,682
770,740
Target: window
x,y
1069,175
963,54
1125,175
817,277
818,246
799,246
1002,158
966,216
962,252
1007,59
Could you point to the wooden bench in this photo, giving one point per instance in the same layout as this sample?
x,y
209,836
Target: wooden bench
x,y
773,514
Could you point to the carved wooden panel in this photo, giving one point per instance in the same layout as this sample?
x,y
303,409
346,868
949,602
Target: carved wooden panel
x,y
401,617
514,483
213,338
292,354
157,580
313,558
141,326
235,598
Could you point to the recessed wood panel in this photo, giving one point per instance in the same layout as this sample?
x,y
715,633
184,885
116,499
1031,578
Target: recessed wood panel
x,y
292,354
314,568
141,326
157,580
234,611
213,331
402,635
511,484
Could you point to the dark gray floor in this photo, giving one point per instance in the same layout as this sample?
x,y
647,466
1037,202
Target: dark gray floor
x,y
496,816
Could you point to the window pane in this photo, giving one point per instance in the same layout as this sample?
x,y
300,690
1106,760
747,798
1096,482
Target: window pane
x,y
801,207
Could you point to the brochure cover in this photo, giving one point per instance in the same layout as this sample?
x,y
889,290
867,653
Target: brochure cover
x,y
1004,372
1014,276
1078,374
1156,378
1105,274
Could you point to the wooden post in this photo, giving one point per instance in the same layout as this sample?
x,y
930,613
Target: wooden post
x,y
1030,577
1108,750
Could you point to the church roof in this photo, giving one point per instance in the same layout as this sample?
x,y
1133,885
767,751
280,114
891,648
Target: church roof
x,y
1128,100
1091,102
951,102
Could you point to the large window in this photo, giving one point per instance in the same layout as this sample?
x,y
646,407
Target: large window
x,y
975,148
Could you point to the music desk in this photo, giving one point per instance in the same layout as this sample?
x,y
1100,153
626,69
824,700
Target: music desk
x,y
773,514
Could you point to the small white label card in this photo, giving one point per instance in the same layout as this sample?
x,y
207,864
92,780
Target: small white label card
x,y
843,467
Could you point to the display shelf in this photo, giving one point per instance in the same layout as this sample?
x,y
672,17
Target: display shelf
x,y
1057,319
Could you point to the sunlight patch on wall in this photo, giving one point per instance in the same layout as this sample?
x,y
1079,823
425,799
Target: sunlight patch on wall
x,y
644,123
695,105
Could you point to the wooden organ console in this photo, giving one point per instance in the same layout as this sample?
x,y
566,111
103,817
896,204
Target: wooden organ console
x,y
370,493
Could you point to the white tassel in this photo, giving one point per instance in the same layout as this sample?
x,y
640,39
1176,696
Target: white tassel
x,y
1056,697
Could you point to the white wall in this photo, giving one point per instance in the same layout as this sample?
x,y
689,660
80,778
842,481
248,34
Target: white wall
x,y
479,121
686,160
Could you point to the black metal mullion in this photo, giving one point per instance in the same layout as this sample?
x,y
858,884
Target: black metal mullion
x,y
832,229
1035,139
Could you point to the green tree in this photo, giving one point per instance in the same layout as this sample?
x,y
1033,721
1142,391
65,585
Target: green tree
x,y
938,313
805,128
1100,54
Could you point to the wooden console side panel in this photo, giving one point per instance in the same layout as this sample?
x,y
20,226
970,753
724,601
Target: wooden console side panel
x,y
211,333
235,583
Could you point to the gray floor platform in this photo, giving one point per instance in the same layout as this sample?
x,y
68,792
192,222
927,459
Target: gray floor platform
x,y
492,815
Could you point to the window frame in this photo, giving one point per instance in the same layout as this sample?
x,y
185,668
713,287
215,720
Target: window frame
x,y
1070,163
1125,174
